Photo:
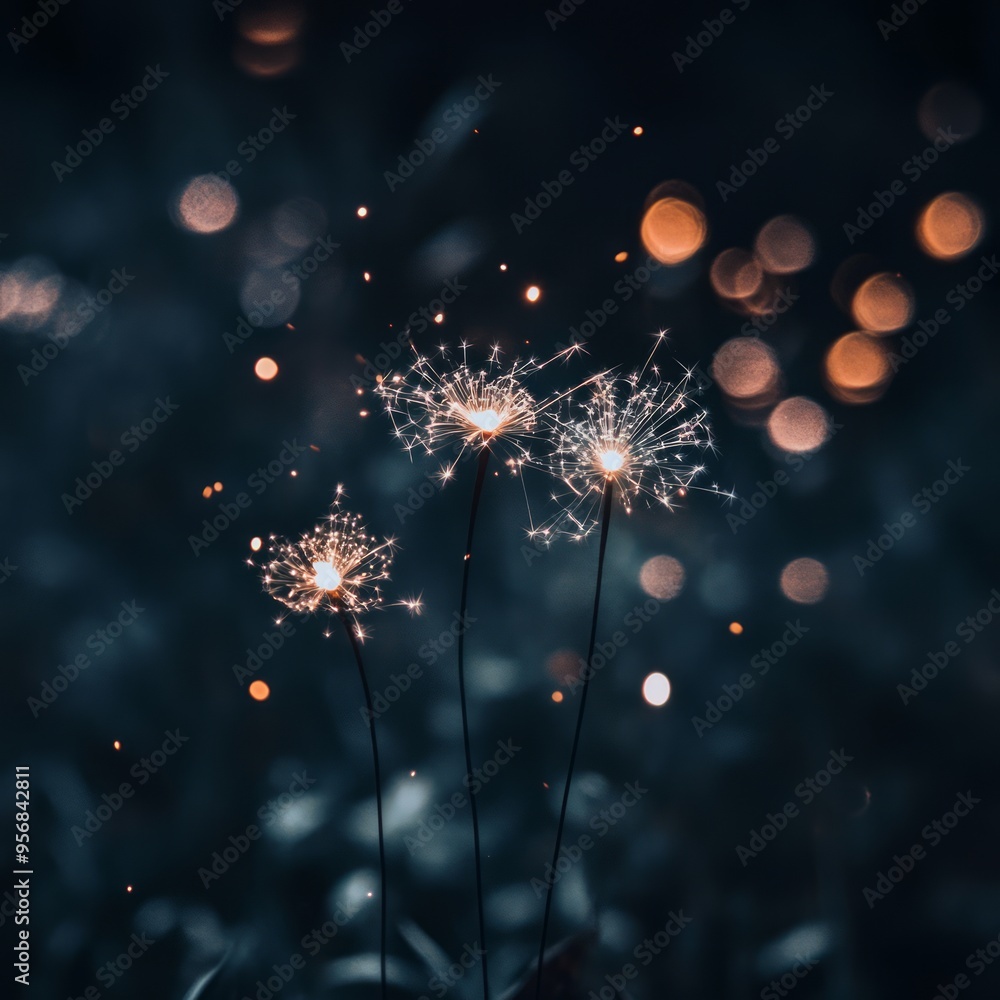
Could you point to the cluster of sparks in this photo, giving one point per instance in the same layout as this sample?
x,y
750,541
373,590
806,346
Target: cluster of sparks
x,y
438,406
338,566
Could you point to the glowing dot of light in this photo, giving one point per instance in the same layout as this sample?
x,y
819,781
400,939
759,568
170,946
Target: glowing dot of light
x,y
362,211
673,230
621,256
784,245
656,689
439,318
804,581
745,368
265,369
327,577
949,226
259,691
293,473
612,461
883,303
503,267
206,492
485,420
118,744
798,425
638,130
207,205
368,277
662,577
557,696
413,774
363,413
736,628
255,544
128,888
217,486
533,294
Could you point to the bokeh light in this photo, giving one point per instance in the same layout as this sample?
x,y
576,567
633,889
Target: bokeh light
x,y
857,368
207,205
557,696
746,369
533,293
883,303
784,245
259,691
735,274
673,230
798,425
950,106
949,226
273,24
804,581
255,543
736,628
662,577
265,369
656,689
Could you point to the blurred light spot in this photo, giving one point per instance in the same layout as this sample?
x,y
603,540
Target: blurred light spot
x,y
362,211
38,298
206,492
265,60
735,274
368,277
503,267
806,943
255,544
299,222
268,297
217,486
621,257
804,581
439,318
259,691
736,628
662,577
563,665
656,689
533,293
557,696
271,25
784,245
673,230
118,744
745,368
413,774
128,888
798,425
265,369
208,204
949,226
883,303
637,130
950,106
857,368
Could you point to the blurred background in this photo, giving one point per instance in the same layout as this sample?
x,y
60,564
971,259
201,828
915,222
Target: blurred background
x,y
224,221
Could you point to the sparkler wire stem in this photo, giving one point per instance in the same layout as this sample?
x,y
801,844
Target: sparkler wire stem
x,y
345,618
484,459
606,505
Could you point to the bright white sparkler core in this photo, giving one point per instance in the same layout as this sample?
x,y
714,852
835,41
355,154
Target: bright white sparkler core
x,y
486,420
327,577
611,460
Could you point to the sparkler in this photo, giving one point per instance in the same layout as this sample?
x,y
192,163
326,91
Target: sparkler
x,y
339,567
632,436
489,409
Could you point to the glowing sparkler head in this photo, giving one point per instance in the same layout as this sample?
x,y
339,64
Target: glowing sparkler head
x,y
337,566
439,403
639,433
